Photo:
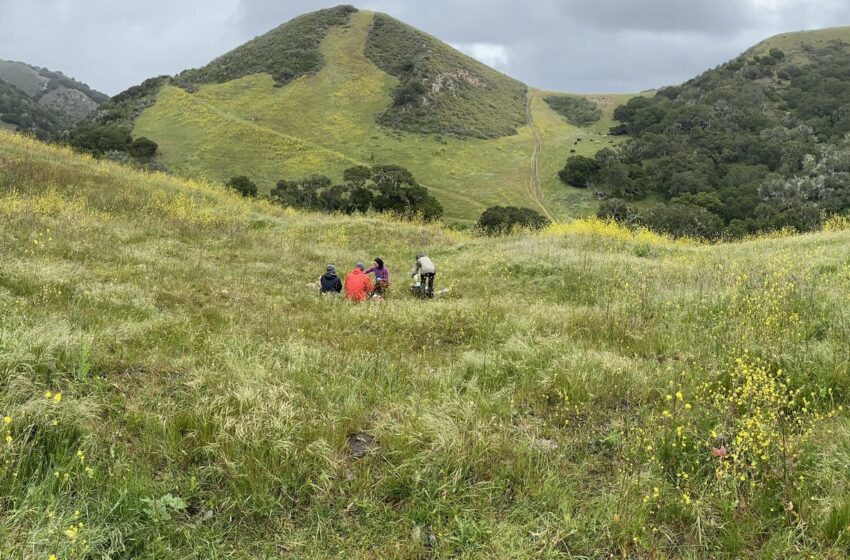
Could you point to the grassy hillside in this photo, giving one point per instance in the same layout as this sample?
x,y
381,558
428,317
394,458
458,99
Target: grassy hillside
x,y
325,122
562,139
171,387
54,91
441,90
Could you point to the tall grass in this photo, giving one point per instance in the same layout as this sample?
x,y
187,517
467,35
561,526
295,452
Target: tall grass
x,y
170,387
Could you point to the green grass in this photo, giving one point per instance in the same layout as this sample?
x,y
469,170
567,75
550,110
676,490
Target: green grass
x,y
795,44
559,139
524,415
325,122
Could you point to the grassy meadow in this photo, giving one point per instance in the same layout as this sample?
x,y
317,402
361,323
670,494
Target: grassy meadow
x,y
324,123
173,388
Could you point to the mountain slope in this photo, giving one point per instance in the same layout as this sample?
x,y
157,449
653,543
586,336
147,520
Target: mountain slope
x,y
753,144
52,90
172,386
441,90
18,111
285,53
330,118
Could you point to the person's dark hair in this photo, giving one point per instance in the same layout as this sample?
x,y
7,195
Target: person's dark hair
x,y
380,262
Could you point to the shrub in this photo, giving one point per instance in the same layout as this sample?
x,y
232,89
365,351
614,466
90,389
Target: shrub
x,y
618,210
580,171
579,111
357,175
384,188
243,185
498,220
99,139
143,148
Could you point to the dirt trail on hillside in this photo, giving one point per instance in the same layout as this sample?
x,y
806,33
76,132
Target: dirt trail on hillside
x,y
534,188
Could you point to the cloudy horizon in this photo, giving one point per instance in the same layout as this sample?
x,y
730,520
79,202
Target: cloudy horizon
x,y
581,46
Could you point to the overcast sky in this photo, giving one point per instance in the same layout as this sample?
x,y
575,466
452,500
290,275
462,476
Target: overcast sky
x,y
568,45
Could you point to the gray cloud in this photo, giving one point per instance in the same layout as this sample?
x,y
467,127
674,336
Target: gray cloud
x,y
570,45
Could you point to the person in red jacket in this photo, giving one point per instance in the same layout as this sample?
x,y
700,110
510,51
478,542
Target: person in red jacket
x,y
358,286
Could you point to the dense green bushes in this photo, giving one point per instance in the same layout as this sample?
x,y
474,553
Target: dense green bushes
x,y
498,220
243,185
751,145
579,111
386,188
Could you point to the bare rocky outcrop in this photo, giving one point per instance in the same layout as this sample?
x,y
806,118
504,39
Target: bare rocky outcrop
x,y
71,102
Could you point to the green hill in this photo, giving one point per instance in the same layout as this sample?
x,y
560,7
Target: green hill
x,y
18,111
53,91
441,90
755,144
331,89
172,387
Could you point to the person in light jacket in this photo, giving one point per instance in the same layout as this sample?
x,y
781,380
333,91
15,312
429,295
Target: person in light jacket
x,y
426,270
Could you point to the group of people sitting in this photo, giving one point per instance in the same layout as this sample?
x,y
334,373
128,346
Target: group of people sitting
x,y
358,285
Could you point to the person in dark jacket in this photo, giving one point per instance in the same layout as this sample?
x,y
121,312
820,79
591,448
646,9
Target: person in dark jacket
x,y
330,283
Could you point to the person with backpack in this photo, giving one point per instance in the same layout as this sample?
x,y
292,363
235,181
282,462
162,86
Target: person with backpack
x,y
382,277
330,283
426,270
358,286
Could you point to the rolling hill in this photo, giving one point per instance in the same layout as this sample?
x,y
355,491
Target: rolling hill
x,y
53,91
341,87
755,144
172,386
18,111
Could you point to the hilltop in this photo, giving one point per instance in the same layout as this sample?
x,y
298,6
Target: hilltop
x,y
341,87
172,387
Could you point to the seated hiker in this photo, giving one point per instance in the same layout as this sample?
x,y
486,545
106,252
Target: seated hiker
x,y
382,276
426,270
330,283
358,286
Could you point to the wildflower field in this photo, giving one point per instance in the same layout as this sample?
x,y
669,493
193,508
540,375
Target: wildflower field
x,y
171,387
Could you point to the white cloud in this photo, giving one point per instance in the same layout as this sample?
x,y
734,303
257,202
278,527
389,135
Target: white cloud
x,y
496,56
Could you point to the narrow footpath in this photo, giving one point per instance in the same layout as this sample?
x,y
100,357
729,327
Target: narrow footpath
x,y
534,188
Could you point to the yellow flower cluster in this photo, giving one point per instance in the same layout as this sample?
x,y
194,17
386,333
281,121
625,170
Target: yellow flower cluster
x,y
608,229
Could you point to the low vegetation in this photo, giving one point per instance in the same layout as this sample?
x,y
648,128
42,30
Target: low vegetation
x,y
579,111
173,388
